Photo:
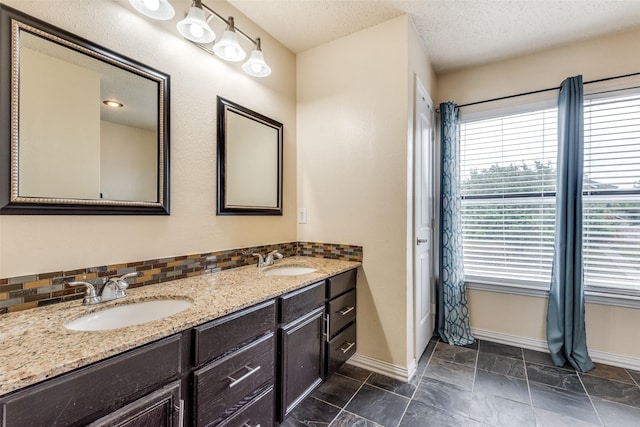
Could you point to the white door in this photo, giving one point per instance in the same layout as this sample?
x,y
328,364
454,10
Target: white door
x,y
423,218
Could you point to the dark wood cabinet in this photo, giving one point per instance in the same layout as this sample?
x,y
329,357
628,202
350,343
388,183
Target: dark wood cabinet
x,y
300,345
340,334
249,368
84,395
162,408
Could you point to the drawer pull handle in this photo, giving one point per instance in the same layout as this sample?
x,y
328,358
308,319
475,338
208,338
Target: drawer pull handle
x,y
250,371
349,345
346,310
249,425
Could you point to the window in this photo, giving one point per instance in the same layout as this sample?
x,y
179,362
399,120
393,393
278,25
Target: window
x,y
611,203
508,174
508,177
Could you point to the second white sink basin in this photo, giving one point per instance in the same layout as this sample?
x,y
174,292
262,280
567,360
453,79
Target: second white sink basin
x,y
289,270
124,315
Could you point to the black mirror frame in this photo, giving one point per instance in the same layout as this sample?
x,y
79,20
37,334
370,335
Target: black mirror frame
x,y
222,209
82,207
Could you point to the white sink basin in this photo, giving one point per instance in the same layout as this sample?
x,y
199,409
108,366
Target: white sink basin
x,y
289,270
124,315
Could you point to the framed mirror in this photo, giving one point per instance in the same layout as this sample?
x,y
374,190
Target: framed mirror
x,y
83,130
249,162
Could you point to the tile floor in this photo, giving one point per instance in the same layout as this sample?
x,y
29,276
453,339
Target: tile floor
x,y
485,384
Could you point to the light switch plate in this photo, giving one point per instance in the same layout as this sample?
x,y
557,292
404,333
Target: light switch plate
x,y
302,215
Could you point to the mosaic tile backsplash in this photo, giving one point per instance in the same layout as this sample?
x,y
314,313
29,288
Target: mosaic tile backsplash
x,y
36,290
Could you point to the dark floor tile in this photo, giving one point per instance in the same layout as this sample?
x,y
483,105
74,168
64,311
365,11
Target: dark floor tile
x,y
449,372
502,386
422,415
311,413
538,357
500,349
337,390
395,386
565,402
378,405
501,412
617,415
610,372
635,375
426,355
346,419
501,365
615,391
443,396
451,353
354,372
546,418
554,376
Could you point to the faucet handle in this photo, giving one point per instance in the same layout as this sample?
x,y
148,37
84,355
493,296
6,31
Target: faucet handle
x,y
91,296
122,284
260,259
276,254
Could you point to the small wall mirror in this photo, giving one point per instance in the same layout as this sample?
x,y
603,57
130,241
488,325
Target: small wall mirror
x,y
249,162
83,129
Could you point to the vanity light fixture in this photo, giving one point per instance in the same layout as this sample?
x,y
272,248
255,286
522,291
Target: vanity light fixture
x,y
256,65
112,103
228,48
195,28
156,9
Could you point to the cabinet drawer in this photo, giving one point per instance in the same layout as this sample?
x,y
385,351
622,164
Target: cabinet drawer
x,y
259,412
341,283
342,311
341,348
223,386
229,333
82,396
300,302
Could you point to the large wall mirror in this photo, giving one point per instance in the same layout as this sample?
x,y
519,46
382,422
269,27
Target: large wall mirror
x,y
83,130
249,162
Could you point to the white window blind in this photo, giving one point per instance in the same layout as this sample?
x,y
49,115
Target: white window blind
x,y
611,188
508,176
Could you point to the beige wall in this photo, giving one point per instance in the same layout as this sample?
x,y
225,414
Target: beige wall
x,y
608,327
30,244
355,101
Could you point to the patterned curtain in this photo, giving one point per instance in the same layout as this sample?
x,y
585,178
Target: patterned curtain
x,y
566,335
453,313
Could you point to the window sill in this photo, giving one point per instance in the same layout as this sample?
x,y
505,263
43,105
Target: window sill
x,y
591,297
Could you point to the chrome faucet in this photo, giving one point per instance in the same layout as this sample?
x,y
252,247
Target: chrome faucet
x,y
114,288
269,259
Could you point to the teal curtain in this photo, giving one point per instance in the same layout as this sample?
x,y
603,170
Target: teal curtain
x,y
453,313
566,335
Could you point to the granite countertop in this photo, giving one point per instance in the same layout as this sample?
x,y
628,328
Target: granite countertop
x,y
35,345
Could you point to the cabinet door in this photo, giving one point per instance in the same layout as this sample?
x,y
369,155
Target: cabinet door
x,y
302,355
162,408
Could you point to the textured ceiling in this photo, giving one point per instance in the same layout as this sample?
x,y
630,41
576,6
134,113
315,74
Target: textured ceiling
x,y
454,33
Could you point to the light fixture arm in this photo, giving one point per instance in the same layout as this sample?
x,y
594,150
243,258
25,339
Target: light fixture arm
x,y
220,17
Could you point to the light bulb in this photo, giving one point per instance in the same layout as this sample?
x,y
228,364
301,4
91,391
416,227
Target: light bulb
x,y
152,4
196,30
256,68
230,51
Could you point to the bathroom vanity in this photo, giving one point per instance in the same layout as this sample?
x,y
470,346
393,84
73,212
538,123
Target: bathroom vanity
x,y
250,348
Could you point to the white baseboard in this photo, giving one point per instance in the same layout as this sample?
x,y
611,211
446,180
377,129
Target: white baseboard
x,y
540,345
382,367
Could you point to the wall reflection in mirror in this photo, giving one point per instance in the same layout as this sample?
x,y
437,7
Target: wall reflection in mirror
x,y
89,128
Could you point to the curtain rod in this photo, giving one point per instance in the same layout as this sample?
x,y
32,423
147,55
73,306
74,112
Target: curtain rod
x,y
545,90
